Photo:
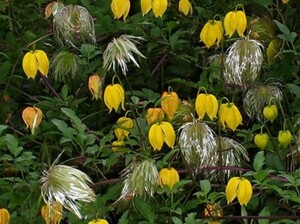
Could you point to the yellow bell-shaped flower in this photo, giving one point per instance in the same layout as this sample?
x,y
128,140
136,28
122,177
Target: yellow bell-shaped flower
x,y
238,187
116,145
114,96
270,112
285,137
230,115
98,221
52,214
211,33
235,21
261,140
32,117
159,7
185,7
4,216
35,61
146,6
124,124
95,85
169,177
154,114
161,133
169,103
120,8
206,103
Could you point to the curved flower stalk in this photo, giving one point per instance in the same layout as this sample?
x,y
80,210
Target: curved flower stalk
x,y
243,62
120,52
259,96
67,186
74,25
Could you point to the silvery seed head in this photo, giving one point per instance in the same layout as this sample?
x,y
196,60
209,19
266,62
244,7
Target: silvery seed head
x,y
120,51
259,96
67,186
243,62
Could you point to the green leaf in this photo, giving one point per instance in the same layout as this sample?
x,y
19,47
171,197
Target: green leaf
x,y
76,122
63,127
124,218
259,161
144,209
176,220
2,128
264,3
264,212
294,89
205,186
191,219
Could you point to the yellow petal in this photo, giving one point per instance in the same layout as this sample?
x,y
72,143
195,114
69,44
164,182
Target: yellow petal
x,y
169,176
169,103
169,134
231,188
146,6
230,23
108,97
4,216
241,22
205,35
272,50
32,117
121,94
185,7
30,65
223,113
234,117
244,191
123,126
120,8
159,7
211,106
43,62
156,136
200,105
218,31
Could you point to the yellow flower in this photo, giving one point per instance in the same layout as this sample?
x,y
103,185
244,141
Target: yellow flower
x,y
285,137
261,140
272,50
159,7
114,96
211,33
96,86
169,103
169,177
235,21
146,6
154,114
98,221
230,115
120,8
185,7
52,214
270,112
206,103
160,133
32,117
285,1
238,187
116,146
124,124
35,61
4,216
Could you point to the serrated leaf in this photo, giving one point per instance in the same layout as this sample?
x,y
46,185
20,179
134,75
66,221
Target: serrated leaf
x,y
259,161
205,186
176,220
63,127
294,89
144,209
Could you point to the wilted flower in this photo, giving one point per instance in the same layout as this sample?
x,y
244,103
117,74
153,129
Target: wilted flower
x,y
285,1
169,177
259,96
238,187
4,216
185,7
74,25
160,133
230,115
114,96
98,221
206,103
52,214
169,103
243,62
115,145
211,33
32,117
261,140
213,210
270,112
235,21
197,144
124,124
120,8
153,115
146,6
272,50
95,85
67,186
285,137
120,51
52,8
159,7
35,61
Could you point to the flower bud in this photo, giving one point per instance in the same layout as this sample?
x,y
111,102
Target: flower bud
x,y
32,116
169,103
185,7
154,114
96,86
261,140
169,177
285,137
270,112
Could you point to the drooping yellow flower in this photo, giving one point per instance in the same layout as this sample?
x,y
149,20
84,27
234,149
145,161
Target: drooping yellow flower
x,y
235,21
238,187
146,6
124,124
272,50
114,96
285,137
115,145
270,112
206,103
120,8
52,214
169,177
96,86
32,117
211,33
4,216
98,221
160,133
159,7
230,115
261,140
35,61
185,7
154,114
169,103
